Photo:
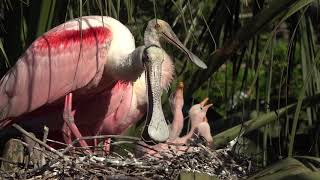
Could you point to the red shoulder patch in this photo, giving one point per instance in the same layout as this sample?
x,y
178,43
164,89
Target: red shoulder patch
x,y
63,39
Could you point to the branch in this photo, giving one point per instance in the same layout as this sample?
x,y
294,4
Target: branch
x,y
228,135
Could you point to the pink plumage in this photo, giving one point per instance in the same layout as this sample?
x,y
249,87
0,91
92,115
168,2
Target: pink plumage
x,y
95,59
53,66
59,40
63,60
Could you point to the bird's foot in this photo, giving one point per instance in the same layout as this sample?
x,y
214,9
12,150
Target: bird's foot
x,y
69,126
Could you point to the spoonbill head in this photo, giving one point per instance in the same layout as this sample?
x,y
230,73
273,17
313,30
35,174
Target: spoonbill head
x,y
159,31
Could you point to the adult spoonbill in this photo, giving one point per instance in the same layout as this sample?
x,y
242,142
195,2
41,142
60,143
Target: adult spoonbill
x,y
94,57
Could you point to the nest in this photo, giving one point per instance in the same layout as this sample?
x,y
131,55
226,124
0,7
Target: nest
x,y
37,160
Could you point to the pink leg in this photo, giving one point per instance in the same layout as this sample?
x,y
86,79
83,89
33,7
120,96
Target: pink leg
x,y
66,133
69,125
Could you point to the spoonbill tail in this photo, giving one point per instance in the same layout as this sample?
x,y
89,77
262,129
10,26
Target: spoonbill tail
x,y
113,84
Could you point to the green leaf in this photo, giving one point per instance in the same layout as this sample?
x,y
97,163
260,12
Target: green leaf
x,y
46,16
283,169
7,62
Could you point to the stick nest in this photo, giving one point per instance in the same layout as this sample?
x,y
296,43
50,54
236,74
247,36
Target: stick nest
x,y
33,161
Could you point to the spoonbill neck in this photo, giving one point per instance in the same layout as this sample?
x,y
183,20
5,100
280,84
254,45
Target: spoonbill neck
x,y
167,74
123,58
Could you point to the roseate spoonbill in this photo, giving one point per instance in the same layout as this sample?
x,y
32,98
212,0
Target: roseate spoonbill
x,y
94,57
197,116
204,131
176,104
199,126
181,144
197,112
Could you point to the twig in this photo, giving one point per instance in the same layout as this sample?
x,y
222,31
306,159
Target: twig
x,y
8,161
19,128
206,149
45,134
36,148
44,139
57,142
68,148
5,172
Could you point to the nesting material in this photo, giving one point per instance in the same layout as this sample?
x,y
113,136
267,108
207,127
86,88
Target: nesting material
x,y
74,163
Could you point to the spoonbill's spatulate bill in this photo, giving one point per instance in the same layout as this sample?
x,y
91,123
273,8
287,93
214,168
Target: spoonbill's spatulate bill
x,y
94,57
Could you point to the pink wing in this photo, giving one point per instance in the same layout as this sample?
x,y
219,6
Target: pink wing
x,y
104,113
63,60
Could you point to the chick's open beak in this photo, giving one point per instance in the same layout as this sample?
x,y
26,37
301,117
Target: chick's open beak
x,y
204,106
